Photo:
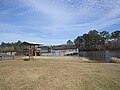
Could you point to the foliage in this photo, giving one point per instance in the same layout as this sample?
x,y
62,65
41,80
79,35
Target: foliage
x,y
78,42
94,40
69,42
4,47
115,35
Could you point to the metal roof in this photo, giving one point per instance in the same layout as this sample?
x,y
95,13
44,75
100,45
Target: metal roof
x,y
32,43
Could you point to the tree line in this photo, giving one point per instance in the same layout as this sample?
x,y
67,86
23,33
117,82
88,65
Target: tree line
x,y
94,40
11,47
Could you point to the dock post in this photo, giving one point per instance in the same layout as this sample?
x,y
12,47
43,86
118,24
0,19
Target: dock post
x,y
1,58
13,57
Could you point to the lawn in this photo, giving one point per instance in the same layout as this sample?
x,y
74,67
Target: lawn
x,y
58,73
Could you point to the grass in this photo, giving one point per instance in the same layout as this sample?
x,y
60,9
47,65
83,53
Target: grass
x,y
58,73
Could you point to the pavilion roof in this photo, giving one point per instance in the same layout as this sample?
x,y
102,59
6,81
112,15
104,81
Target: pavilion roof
x,y
31,43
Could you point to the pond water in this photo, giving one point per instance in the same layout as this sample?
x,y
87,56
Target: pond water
x,y
93,55
100,55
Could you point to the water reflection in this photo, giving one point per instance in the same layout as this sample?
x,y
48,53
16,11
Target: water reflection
x,y
100,55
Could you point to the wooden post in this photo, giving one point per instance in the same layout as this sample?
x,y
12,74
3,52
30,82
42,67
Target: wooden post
x,y
13,57
30,49
0,58
34,51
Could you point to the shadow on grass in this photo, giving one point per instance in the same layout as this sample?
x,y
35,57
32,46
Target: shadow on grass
x,y
27,59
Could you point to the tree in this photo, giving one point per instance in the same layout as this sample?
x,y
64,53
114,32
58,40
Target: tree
x,y
115,35
19,42
3,44
86,41
78,42
104,37
93,32
69,42
94,39
11,46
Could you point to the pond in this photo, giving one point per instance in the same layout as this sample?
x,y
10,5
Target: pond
x,y
92,55
100,55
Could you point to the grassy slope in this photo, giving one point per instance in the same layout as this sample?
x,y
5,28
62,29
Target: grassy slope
x,y
58,75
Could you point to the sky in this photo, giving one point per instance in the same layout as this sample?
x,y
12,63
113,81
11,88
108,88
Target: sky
x,y
54,22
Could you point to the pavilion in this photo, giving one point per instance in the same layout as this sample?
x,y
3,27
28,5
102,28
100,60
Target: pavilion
x,y
34,48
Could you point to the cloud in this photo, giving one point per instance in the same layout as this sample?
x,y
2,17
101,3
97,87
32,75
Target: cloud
x,y
6,27
12,37
110,18
60,19
68,10
5,12
56,12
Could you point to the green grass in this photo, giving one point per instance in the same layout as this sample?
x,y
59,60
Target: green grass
x,y
58,74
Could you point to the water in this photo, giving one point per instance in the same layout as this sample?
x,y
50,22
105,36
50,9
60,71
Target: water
x,y
92,55
100,55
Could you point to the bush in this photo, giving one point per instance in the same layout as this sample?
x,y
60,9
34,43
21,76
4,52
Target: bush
x,y
27,59
115,60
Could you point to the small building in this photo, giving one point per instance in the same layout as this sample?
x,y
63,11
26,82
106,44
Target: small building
x,y
33,48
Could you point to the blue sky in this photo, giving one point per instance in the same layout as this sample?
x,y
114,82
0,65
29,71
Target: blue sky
x,y
56,21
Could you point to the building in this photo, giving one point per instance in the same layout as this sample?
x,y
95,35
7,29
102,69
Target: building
x,y
32,48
